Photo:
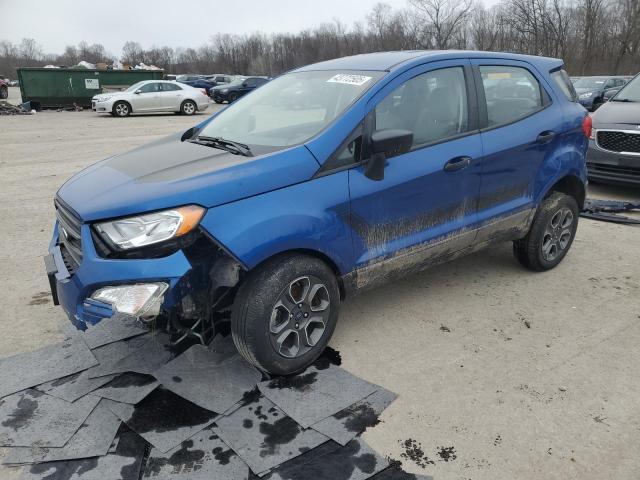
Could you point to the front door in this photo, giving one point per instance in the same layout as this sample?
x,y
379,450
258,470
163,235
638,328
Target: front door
x,y
148,99
425,207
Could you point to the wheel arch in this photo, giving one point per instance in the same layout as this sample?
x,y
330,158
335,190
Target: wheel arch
x,y
570,185
113,107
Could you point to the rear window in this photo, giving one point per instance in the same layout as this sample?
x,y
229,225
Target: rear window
x,y
564,83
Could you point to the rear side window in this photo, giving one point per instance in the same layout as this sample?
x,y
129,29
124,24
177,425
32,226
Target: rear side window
x,y
432,105
170,87
564,83
511,93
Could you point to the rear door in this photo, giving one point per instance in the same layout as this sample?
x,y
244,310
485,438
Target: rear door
x,y
171,96
520,123
425,207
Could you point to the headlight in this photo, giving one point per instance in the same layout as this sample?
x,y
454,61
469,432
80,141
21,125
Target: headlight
x,y
143,230
224,90
584,96
143,299
102,99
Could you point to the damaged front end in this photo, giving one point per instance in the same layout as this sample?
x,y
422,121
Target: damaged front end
x,y
184,286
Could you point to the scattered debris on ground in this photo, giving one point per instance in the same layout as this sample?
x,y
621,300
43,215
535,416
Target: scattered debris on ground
x,y
117,402
7,108
609,211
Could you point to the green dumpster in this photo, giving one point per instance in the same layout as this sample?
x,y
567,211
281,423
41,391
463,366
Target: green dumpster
x,y
62,87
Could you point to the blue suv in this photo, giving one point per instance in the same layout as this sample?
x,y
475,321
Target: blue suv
x,y
329,180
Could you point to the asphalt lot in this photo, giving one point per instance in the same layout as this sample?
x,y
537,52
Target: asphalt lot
x,y
501,373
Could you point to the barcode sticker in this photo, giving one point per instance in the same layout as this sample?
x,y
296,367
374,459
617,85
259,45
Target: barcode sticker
x,y
349,79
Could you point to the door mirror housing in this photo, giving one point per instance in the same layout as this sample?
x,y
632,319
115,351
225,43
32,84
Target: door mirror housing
x,y
245,84
138,92
386,144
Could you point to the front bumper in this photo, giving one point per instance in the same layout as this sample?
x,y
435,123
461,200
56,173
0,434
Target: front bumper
x,y
73,290
612,167
102,107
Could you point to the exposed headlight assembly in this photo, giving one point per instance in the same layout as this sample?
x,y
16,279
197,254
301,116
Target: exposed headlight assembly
x,y
151,228
140,300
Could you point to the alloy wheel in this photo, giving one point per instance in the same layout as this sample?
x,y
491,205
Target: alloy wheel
x,y
299,316
189,108
557,234
122,110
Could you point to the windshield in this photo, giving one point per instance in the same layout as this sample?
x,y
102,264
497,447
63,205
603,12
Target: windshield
x,y
291,108
590,82
630,92
134,87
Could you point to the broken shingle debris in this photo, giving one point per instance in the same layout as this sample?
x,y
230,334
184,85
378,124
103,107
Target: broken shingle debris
x,y
346,424
163,418
202,457
316,393
207,379
196,415
118,327
35,419
93,439
263,436
124,464
27,370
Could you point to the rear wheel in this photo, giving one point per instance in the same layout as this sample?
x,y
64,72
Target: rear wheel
x,y
188,107
121,109
551,234
285,313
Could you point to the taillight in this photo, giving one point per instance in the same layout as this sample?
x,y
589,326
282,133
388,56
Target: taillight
x,y
587,126
204,92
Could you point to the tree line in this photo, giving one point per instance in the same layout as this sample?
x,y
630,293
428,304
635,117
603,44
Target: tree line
x,y
592,36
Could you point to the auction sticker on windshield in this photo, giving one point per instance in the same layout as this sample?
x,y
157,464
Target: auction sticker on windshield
x,y
349,79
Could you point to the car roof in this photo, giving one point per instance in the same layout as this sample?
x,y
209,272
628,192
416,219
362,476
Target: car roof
x,y
387,61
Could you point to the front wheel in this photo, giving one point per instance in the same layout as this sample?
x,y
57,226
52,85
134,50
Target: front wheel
x,y
233,97
285,313
551,234
121,109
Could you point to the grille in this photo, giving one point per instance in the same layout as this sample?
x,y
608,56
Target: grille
x,y
617,141
615,169
69,238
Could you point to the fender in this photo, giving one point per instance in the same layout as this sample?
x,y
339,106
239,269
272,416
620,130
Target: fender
x,y
312,215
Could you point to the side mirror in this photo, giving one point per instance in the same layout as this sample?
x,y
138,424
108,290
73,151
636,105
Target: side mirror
x,y
138,92
386,144
245,84
189,134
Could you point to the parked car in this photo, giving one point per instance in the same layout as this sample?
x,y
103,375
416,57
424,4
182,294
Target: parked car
x,y
199,81
4,89
220,79
591,90
386,164
152,96
237,88
614,145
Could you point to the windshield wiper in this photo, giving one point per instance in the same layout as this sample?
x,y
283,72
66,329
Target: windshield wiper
x,y
224,144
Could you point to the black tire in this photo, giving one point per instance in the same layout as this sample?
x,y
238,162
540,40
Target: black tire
x,y
188,107
217,100
233,96
260,296
4,92
548,241
121,109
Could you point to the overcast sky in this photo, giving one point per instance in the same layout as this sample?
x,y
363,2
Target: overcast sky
x,y
177,23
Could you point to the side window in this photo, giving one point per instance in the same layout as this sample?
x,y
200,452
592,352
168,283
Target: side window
x,y
170,87
149,87
562,80
511,93
350,151
432,105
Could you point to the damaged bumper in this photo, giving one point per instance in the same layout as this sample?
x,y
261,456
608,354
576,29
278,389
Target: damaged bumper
x,y
72,287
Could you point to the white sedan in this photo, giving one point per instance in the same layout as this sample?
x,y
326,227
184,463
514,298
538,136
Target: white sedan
x,y
152,96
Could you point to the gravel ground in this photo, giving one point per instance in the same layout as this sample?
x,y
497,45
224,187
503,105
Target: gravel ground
x,y
501,373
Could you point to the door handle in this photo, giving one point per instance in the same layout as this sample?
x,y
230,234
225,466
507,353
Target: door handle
x,y
546,136
457,163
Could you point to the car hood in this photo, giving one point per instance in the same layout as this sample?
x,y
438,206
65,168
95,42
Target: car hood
x,y
581,90
616,113
169,173
224,85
